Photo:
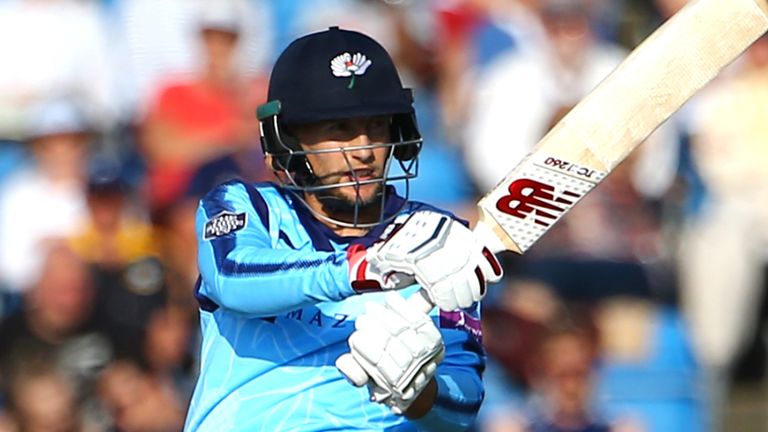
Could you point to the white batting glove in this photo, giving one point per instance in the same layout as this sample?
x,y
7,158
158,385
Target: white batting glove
x,y
447,259
399,348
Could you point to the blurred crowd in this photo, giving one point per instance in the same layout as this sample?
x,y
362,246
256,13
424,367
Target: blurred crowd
x,y
640,311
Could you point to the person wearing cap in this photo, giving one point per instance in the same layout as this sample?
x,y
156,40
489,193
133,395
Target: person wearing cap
x,y
194,120
45,201
114,236
296,273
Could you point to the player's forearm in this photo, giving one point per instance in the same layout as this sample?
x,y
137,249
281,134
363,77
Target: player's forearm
x,y
268,282
424,402
455,404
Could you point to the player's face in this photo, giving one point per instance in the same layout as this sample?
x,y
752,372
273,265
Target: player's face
x,y
345,151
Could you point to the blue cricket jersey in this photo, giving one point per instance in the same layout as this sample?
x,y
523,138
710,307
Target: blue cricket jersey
x,y
276,309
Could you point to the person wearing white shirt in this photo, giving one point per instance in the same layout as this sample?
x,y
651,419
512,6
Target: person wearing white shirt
x,y
46,201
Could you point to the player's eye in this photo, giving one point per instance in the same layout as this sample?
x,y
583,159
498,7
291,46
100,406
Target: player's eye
x,y
378,127
338,129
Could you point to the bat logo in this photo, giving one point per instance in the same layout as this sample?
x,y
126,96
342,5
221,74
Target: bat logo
x,y
529,197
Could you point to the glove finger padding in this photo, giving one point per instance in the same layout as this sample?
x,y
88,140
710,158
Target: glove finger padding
x,y
399,348
399,404
448,260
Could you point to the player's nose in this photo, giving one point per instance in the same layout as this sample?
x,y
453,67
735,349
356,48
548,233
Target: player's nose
x,y
360,147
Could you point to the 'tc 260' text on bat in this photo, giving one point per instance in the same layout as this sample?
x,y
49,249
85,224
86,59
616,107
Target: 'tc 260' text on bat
x,y
653,82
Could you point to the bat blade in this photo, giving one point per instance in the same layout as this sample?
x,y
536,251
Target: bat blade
x,y
653,82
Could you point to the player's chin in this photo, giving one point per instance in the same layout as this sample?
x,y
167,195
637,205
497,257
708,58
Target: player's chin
x,y
364,193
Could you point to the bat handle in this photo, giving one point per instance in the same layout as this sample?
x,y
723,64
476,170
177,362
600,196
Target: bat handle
x,y
489,238
352,370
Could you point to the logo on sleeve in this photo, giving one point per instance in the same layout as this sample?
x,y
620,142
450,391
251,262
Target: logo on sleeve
x,y
224,223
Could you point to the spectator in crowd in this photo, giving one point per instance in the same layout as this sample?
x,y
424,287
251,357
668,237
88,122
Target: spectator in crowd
x,y
536,85
136,403
123,252
193,121
729,133
46,200
55,325
472,34
42,399
619,221
513,324
160,41
116,233
126,298
562,375
531,86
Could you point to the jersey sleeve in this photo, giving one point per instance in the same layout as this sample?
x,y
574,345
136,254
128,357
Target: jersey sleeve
x,y
459,383
243,270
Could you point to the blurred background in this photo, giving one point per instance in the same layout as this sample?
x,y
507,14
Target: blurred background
x,y
643,310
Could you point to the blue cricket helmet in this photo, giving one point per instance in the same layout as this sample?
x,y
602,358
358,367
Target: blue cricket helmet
x,y
334,74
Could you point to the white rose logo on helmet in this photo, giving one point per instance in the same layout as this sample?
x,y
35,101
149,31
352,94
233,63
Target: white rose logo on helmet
x,y
344,65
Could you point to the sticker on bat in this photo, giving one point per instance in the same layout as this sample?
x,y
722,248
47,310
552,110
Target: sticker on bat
x,y
571,168
533,198
224,223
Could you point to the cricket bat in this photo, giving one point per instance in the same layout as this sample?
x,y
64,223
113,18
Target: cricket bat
x,y
579,152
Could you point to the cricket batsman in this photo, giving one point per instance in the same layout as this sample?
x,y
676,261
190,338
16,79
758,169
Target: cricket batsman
x,y
295,273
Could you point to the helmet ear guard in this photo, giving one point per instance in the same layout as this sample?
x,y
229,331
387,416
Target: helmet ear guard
x,y
405,129
281,146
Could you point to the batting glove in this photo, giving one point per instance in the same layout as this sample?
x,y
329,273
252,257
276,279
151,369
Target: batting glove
x,y
399,348
447,259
